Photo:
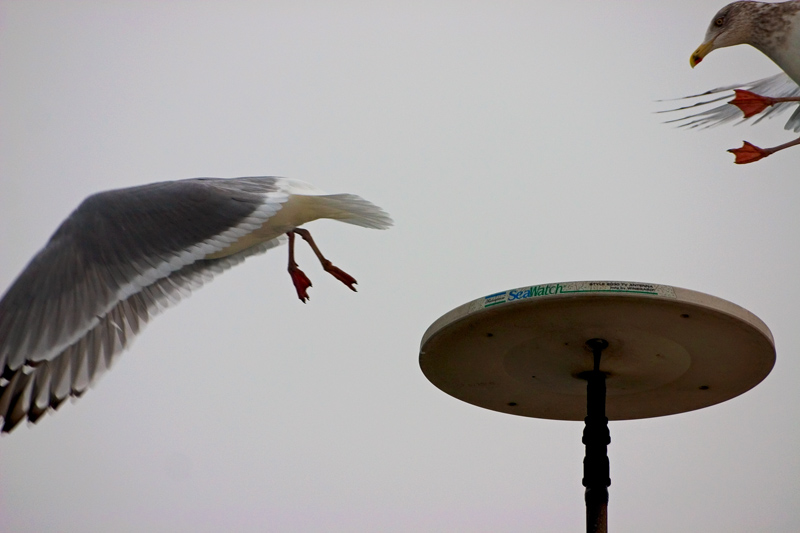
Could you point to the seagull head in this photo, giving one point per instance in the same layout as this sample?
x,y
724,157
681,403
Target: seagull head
x,y
732,25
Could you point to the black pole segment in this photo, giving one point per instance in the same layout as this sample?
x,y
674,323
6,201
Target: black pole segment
x,y
596,437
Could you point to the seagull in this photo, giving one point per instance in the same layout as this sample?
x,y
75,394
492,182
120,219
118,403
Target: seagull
x,y
774,29
125,255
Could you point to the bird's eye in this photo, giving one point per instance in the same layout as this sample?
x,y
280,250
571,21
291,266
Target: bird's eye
x,y
719,22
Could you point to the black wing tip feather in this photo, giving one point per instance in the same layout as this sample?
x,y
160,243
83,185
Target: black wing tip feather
x,y
33,415
14,412
36,413
12,392
8,426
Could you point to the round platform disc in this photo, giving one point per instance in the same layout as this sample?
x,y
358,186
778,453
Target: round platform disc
x,y
670,350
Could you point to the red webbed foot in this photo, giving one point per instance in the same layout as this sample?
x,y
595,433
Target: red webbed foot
x,y
300,280
301,283
340,274
751,103
748,153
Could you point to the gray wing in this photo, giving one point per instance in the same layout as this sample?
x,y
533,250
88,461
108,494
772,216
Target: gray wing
x,y
119,259
778,86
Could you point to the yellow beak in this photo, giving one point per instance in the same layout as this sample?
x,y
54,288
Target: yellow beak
x,y
701,52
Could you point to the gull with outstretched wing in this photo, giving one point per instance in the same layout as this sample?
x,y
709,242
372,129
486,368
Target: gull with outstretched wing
x,y
124,255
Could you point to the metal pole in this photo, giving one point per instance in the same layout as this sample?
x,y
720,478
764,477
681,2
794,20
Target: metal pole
x,y
596,437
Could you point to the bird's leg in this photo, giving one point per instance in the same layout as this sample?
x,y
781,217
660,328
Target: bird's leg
x,y
299,278
750,153
752,103
336,272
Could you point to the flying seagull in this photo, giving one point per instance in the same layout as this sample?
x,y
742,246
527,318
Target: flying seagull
x,y
125,255
774,29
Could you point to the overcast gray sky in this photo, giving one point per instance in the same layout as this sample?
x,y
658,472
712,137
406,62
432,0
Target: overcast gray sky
x,y
514,143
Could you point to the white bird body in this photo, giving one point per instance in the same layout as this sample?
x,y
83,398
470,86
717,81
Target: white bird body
x,y
788,56
298,209
123,256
